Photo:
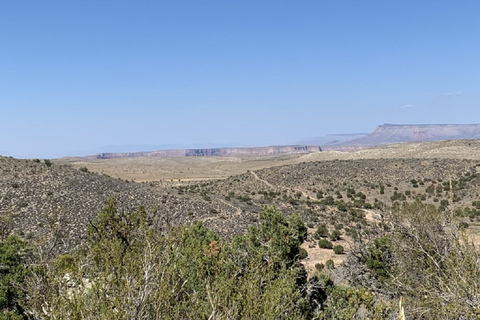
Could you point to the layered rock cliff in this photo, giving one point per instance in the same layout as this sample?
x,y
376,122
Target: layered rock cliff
x,y
396,133
219,152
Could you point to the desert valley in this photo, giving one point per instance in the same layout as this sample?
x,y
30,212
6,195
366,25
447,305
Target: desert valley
x,y
375,223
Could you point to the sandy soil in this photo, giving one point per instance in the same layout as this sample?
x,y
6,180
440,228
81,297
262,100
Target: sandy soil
x,y
319,255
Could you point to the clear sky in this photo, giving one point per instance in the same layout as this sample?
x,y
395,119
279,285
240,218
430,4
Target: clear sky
x,y
79,76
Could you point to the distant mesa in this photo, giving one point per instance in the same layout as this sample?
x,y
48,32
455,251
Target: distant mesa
x,y
216,152
397,133
382,135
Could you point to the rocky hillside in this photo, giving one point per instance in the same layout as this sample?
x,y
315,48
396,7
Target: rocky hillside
x,y
43,198
219,152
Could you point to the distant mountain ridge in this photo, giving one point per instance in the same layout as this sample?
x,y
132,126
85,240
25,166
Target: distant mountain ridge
x,y
332,139
219,152
397,133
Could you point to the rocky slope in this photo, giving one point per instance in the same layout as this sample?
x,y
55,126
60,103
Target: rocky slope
x,y
220,152
52,200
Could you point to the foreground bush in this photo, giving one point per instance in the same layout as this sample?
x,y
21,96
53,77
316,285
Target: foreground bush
x,y
425,259
13,255
128,271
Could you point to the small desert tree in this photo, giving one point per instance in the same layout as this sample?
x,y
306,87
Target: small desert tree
x,y
427,260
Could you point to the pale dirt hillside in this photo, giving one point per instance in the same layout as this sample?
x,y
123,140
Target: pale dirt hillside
x,y
142,169
449,149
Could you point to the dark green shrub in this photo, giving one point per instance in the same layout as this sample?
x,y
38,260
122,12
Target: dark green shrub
x,y
302,254
379,257
463,225
13,255
322,231
443,205
329,201
361,195
338,249
329,264
335,235
398,196
476,204
341,206
325,244
319,266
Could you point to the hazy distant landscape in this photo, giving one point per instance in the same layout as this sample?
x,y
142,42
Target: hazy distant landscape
x,y
382,135
239,160
345,202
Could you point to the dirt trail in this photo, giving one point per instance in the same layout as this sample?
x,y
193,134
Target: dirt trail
x,y
261,180
303,192
238,211
372,215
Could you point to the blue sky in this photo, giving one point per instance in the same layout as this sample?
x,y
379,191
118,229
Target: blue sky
x,y
79,76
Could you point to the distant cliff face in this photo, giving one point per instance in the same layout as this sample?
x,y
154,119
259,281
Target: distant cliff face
x,y
392,133
217,152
